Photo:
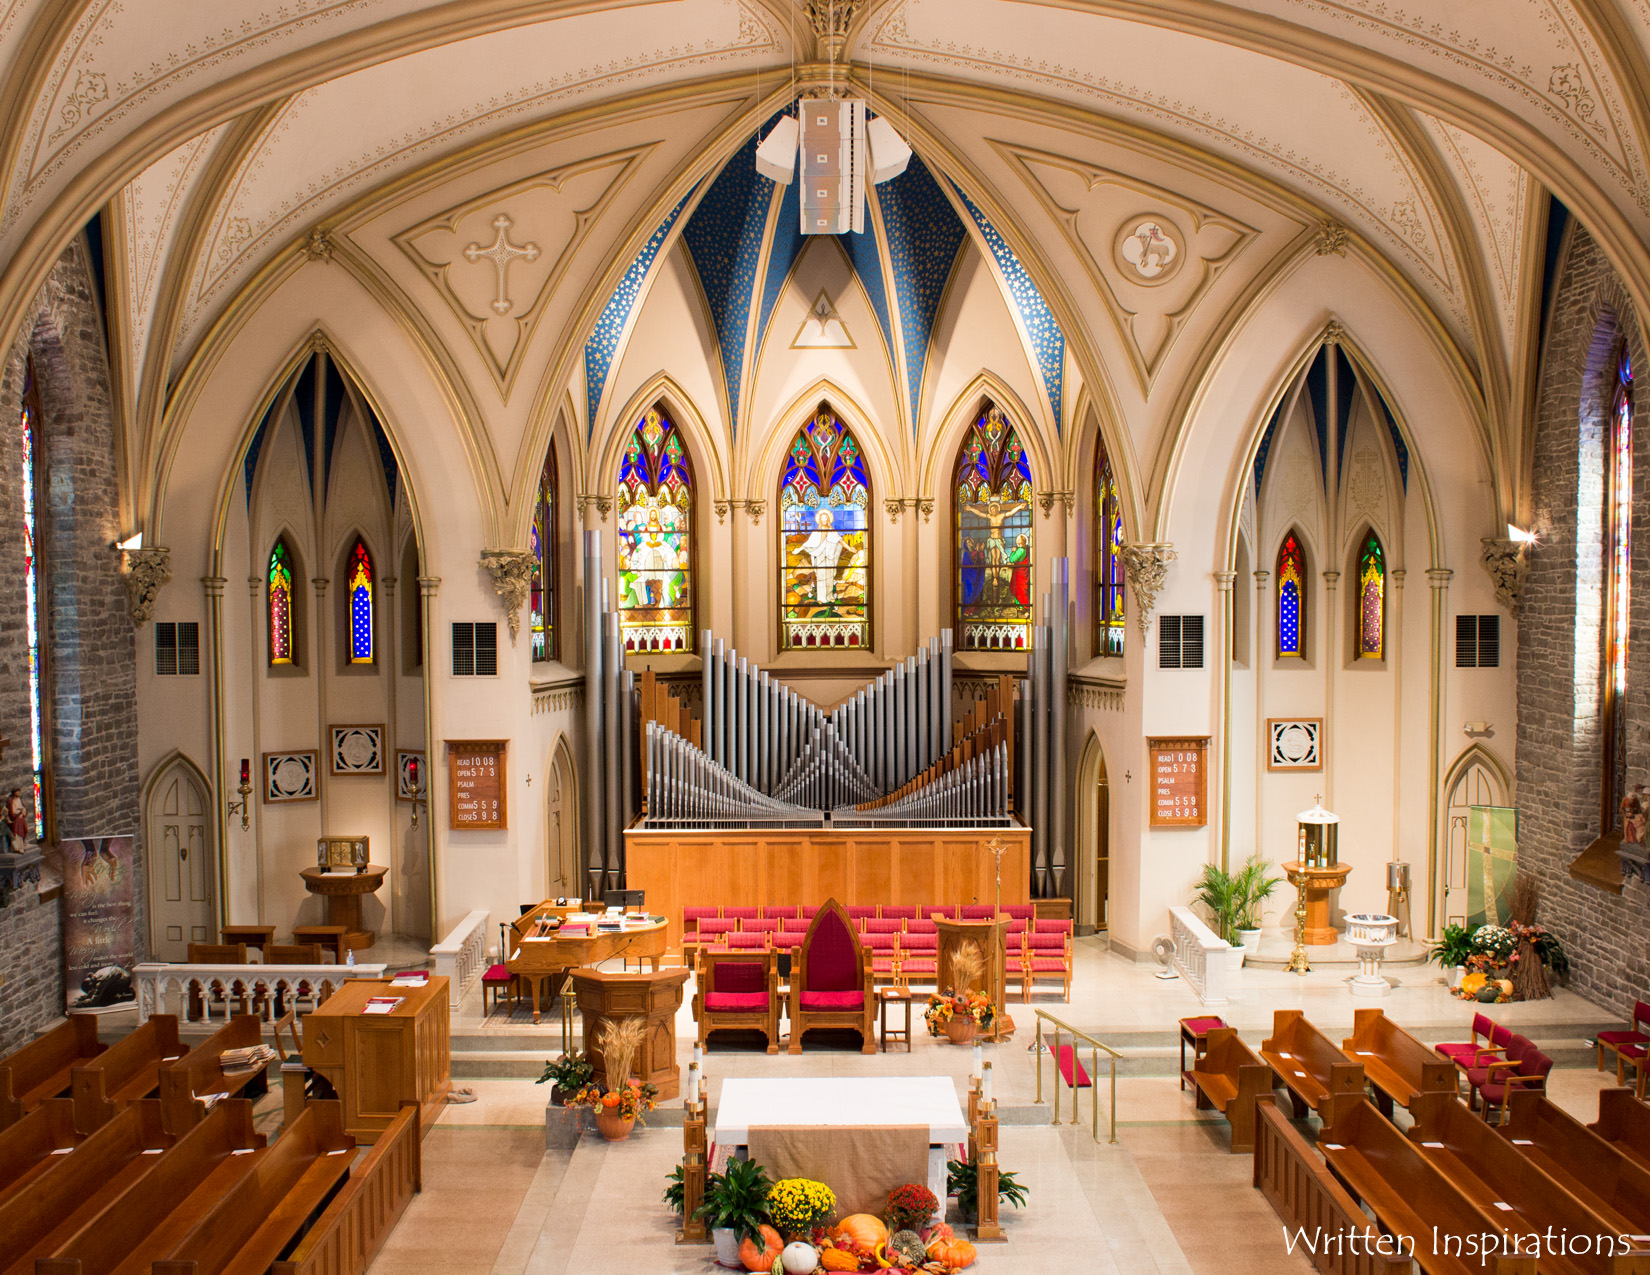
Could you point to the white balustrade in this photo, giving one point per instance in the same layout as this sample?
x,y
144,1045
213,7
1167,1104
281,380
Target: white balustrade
x,y
1201,957
215,991
462,956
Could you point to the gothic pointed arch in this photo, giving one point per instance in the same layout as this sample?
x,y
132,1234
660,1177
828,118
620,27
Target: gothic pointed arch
x,y
824,529
1369,598
992,494
1293,597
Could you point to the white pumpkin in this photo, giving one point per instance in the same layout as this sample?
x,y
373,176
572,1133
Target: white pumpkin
x,y
800,1258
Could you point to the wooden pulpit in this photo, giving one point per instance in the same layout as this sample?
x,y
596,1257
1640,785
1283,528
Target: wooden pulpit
x,y
656,996
990,936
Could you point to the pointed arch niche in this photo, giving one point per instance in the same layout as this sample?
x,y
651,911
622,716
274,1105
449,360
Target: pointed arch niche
x,y
824,529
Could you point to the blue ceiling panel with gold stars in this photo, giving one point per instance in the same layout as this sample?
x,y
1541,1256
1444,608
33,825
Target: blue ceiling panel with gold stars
x,y
924,236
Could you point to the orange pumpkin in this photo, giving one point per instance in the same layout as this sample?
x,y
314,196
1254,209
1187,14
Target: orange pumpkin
x,y
761,1259
953,1252
610,1100
838,1259
862,1232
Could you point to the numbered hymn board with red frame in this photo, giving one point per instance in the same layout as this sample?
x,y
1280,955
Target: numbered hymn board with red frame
x,y
476,784
1179,782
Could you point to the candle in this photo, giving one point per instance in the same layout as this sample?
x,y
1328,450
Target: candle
x,y
693,1084
698,1054
985,1085
246,771
976,1071
412,771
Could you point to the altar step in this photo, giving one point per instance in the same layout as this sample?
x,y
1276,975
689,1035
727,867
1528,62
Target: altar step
x,y
1277,946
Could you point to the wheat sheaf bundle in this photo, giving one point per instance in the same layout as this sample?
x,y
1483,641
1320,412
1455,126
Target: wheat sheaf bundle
x,y
621,1039
967,966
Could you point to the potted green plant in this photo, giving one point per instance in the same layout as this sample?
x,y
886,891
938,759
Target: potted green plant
x,y
1253,886
1452,950
962,1179
1216,891
567,1074
735,1207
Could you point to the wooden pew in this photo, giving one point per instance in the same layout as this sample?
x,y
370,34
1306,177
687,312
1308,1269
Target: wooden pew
x,y
1410,1196
75,1186
252,1225
1486,1166
1309,1199
1608,1182
124,1073
348,1235
40,1069
136,1225
1229,1078
1318,1076
1624,1122
27,1148
199,1073
1398,1065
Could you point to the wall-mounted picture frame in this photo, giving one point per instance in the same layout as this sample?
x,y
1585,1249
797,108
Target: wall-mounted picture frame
x,y
291,776
357,750
1294,743
406,789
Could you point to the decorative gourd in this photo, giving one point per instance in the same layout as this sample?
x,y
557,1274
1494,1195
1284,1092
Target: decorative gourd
x,y
800,1258
952,1253
838,1259
907,1244
761,1259
778,1265
863,1232
1472,983
939,1231
1489,994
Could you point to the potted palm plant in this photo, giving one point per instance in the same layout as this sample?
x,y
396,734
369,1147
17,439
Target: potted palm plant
x,y
1216,891
1254,886
735,1206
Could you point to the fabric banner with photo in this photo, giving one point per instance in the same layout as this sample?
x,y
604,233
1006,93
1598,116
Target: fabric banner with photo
x,y
99,923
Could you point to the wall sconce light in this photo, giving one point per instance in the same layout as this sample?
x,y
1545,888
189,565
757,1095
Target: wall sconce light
x,y
415,773
245,789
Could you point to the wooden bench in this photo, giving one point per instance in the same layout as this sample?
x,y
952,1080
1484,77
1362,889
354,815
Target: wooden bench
x,y
1229,1078
1476,1158
40,1069
122,1074
200,1073
27,1148
1607,1181
1308,1197
136,1225
1410,1196
1319,1077
75,1186
1397,1065
257,1220
1624,1122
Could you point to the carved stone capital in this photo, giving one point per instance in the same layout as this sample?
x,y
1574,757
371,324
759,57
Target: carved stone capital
x,y
1045,501
429,586
144,571
830,20
755,509
1146,566
1333,332
893,505
1507,561
602,505
317,246
926,506
721,508
1331,239
512,572
1069,500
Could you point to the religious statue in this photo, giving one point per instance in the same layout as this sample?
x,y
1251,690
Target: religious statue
x,y
17,822
1635,807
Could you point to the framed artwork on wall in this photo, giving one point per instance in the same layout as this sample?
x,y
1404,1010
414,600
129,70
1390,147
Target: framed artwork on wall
x,y
1294,743
291,777
411,775
357,750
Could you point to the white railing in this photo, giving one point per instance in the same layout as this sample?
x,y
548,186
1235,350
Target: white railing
x,y
462,956
1200,956
206,993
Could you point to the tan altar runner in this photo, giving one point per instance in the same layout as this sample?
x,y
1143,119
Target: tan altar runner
x,y
861,1163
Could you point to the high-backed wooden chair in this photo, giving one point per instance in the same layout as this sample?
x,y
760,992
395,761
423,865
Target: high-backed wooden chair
x,y
738,991
832,980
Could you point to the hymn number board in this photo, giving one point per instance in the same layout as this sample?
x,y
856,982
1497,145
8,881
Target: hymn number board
x,y
1179,782
476,784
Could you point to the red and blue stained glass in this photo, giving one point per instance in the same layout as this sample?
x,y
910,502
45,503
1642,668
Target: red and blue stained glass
x,y
1371,599
360,605
541,541
1108,540
656,538
1621,521
280,604
31,590
1291,598
824,538
992,490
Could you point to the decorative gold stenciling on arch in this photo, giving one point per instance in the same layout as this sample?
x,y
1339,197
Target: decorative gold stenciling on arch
x,y
552,213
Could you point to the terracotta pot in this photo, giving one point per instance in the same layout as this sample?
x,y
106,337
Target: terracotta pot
x,y
961,1030
612,1126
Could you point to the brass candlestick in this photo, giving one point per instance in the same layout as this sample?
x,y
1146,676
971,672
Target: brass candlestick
x,y
1298,963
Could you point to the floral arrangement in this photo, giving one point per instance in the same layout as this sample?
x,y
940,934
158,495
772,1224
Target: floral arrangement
x,y
944,1006
1547,947
1498,948
1495,943
910,1207
629,1101
798,1205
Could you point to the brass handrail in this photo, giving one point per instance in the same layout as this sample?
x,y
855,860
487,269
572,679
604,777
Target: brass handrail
x,y
1096,1046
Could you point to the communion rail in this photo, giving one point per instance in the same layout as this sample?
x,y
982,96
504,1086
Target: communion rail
x,y
1200,956
188,990
1096,1048
461,957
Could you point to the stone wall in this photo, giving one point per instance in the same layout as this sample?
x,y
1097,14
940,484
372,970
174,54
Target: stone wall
x,y
1561,628
91,665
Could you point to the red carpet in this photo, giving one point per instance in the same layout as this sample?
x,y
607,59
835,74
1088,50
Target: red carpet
x,y
1068,1060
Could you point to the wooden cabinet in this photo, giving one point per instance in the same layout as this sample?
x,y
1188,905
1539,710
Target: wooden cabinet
x,y
378,1061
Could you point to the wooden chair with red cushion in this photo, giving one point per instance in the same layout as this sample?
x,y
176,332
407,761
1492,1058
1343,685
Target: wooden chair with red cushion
x,y
1524,1068
1047,958
879,925
1021,911
691,916
780,911
862,912
1466,1053
919,958
499,981
738,991
766,925
1628,1046
831,980
921,925
884,949
741,913
898,911
979,912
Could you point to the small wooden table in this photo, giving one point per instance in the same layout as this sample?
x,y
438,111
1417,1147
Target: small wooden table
x,y
258,936
887,996
343,892
331,937
377,1061
1318,882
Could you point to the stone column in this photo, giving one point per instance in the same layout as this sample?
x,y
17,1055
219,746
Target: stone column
x,y
1438,578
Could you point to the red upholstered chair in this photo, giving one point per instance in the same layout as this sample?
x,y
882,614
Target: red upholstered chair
x,y
1047,958
947,910
765,926
497,980
1051,927
1017,927
919,958
745,941
1525,1067
712,927
807,910
1628,1046
860,912
978,911
1482,1026
738,991
790,937
742,914
879,925
691,916
1021,911
884,949
832,980
899,911
921,925
780,911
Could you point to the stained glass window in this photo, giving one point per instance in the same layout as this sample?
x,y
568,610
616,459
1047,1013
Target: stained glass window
x,y
824,538
360,604
1371,599
1618,517
992,490
280,604
541,540
1108,551
656,538
1291,598
32,608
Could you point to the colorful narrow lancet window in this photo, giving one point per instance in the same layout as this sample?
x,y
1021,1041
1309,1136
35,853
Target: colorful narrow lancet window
x,y
541,541
992,491
1291,598
656,538
1371,599
32,608
360,604
824,538
1618,531
280,604
1108,549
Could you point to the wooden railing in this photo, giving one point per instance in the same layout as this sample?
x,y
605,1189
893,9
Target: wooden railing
x,y
462,956
1096,1048
1199,956
216,990
349,1233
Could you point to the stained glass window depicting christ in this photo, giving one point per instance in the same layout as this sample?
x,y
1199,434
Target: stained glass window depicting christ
x,y
280,604
656,538
992,491
541,541
1291,598
359,593
1108,549
1371,599
824,538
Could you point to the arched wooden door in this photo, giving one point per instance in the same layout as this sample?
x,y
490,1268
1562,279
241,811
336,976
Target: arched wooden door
x,y
179,840
1092,895
563,869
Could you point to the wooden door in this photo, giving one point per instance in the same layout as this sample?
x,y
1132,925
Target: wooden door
x,y
563,873
180,865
